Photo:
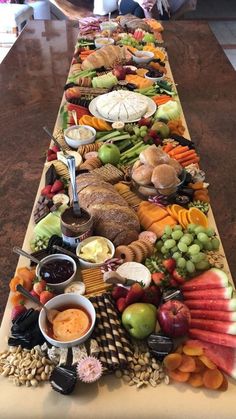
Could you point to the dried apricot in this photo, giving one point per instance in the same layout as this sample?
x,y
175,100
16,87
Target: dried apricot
x,y
17,298
195,380
188,364
179,376
179,350
192,350
224,385
199,365
207,362
172,361
14,282
196,186
212,379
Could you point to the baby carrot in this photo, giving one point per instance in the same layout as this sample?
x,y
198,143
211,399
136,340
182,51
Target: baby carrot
x,y
191,161
168,148
177,150
185,154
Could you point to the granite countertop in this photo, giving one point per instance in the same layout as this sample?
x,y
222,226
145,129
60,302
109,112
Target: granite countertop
x,y
31,84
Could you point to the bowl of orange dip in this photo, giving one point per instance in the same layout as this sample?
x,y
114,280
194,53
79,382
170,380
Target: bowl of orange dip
x,y
72,325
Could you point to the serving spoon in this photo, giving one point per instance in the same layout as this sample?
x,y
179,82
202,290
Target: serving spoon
x,y
50,313
22,252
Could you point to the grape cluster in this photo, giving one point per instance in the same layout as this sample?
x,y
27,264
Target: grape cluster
x,y
187,247
129,40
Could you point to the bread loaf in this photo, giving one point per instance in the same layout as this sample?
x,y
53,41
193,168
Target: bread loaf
x,y
113,218
133,22
106,57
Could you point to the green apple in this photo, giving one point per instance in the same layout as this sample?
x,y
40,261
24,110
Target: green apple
x,y
139,319
109,153
161,128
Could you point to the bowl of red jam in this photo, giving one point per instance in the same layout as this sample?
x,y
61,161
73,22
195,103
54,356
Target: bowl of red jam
x,y
57,270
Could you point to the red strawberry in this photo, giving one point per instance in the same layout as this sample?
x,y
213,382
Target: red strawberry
x,y
119,292
135,294
17,311
45,296
169,264
46,190
179,276
49,152
144,122
52,156
158,277
152,295
34,294
173,283
57,186
39,286
121,304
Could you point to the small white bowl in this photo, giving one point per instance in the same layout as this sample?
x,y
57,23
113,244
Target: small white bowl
x,y
59,286
108,26
75,143
103,42
65,300
154,78
143,57
86,264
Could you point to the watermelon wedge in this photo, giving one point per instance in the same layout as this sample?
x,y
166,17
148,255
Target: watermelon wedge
x,y
213,337
224,316
224,305
213,278
222,356
216,294
214,326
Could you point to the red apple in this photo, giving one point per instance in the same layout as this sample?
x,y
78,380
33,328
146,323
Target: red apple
x,y
174,318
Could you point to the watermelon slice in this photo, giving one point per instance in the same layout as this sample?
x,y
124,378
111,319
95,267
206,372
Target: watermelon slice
x,y
224,305
213,337
216,294
222,356
224,316
213,278
214,326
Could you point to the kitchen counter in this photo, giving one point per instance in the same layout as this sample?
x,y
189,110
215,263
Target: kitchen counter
x,y
31,82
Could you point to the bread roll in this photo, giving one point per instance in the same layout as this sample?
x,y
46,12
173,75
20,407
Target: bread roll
x,y
176,165
153,156
164,176
142,174
105,57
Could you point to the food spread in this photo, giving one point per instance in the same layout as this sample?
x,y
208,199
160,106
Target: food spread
x,y
169,313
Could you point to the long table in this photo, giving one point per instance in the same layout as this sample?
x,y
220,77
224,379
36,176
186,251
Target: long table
x,y
32,78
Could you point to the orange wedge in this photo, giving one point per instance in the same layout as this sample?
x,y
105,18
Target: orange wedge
x,y
181,218
196,216
169,210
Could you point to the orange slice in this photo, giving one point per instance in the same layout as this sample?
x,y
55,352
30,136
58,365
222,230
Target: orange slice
x,y
181,218
196,216
169,210
175,209
85,120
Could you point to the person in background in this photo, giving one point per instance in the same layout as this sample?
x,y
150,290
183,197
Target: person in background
x,y
151,8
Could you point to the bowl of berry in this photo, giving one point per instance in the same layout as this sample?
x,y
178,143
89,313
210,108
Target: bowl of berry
x,y
154,75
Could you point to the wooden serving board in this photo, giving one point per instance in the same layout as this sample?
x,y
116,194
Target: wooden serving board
x,y
110,398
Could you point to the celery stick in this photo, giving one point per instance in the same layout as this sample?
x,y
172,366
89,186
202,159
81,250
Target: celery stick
x,y
121,137
108,136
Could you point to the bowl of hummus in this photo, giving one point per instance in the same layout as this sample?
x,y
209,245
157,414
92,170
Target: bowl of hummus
x,y
78,135
72,325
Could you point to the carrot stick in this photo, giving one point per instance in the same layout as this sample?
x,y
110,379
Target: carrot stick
x,y
190,156
187,153
191,161
168,148
179,149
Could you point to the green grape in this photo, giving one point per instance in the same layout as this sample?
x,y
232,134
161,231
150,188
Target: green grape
x,y
174,249
176,255
164,250
203,265
187,239
210,231
178,227
168,230
164,237
181,263
190,266
159,244
198,243
182,247
199,229
191,227
207,246
169,243
203,237
198,257
194,249
177,234
215,243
